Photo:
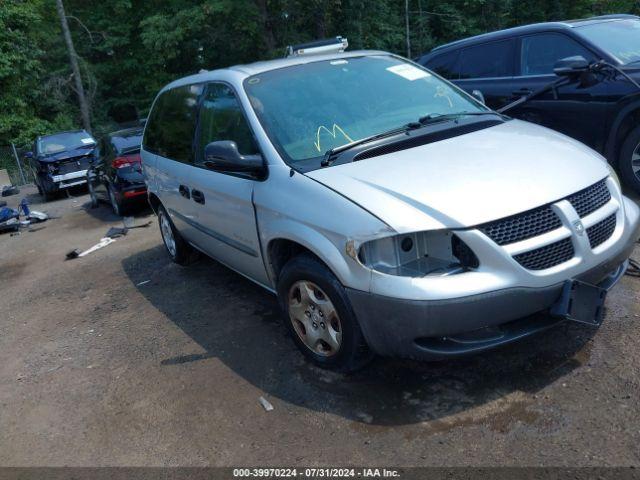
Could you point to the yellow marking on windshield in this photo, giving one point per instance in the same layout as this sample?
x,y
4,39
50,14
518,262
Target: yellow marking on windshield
x,y
442,92
332,132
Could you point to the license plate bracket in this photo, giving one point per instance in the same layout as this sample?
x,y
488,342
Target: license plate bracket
x,y
581,302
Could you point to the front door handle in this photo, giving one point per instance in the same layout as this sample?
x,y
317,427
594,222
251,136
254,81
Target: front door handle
x,y
184,191
522,92
197,196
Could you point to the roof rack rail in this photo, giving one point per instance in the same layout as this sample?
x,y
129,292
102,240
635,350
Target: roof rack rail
x,y
327,45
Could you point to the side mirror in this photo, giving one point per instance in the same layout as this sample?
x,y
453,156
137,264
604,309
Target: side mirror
x,y
571,66
477,94
223,156
28,155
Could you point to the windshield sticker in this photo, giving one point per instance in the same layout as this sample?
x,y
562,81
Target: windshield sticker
x,y
333,132
409,72
87,141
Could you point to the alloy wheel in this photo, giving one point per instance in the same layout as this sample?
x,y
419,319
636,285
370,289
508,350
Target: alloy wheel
x,y
314,318
167,235
635,162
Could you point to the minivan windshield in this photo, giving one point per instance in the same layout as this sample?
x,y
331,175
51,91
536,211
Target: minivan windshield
x,y
620,38
64,141
309,109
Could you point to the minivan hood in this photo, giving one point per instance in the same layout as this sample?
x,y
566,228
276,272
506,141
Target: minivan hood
x,y
468,180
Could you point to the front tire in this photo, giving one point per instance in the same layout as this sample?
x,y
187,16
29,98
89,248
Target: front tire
x,y
629,162
178,249
319,316
92,195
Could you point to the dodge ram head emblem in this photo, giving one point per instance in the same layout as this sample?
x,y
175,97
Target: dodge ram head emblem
x,y
578,226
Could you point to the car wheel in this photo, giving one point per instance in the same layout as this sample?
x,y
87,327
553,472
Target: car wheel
x,y
178,249
116,206
92,195
629,164
319,316
46,195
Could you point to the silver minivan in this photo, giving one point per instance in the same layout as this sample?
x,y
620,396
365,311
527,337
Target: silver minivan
x,y
389,211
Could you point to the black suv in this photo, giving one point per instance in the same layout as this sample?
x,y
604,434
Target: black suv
x,y
509,64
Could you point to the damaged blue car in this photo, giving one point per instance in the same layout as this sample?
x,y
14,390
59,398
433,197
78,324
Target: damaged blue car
x,y
61,160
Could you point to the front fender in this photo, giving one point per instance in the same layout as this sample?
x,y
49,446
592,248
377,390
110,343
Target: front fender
x,y
328,247
612,146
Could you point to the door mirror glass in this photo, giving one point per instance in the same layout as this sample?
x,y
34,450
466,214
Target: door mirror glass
x,y
571,66
477,94
223,156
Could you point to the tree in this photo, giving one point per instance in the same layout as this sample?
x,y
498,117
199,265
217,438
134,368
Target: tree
x,y
73,60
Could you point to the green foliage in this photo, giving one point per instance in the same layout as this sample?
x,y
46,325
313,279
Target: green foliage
x,y
128,49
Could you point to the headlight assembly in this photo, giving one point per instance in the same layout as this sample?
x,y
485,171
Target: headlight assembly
x,y
436,253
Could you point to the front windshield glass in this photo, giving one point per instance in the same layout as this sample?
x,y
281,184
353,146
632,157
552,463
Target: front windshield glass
x,y
309,109
620,38
64,141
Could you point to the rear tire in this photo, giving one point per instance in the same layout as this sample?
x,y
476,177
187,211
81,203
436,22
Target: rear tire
x,y
309,327
116,206
178,249
629,161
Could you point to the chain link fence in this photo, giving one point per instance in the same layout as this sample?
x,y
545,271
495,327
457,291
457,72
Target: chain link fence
x,y
12,160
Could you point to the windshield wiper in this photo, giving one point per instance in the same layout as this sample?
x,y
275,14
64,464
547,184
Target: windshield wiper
x,y
439,117
330,155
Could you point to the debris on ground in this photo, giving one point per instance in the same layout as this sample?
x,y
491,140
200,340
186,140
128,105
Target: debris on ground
x,y
142,283
75,253
115,232
9,219
8,190
12,219
31,215
129,223
265,404
101,244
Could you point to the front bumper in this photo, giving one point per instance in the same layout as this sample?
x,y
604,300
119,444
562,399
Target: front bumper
x,y
56,182
431,328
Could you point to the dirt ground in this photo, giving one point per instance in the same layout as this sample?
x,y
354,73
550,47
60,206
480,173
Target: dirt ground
x,y
123,358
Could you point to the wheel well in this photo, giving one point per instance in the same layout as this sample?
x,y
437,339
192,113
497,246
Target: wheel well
x,y
280,251
631,120
154,201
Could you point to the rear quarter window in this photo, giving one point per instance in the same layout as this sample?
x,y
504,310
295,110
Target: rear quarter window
x,y
171,125
488,60
445,65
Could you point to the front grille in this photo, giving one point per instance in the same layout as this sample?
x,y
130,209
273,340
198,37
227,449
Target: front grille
x,y
547,256
601,231
73,165
543,219
590,199
522,226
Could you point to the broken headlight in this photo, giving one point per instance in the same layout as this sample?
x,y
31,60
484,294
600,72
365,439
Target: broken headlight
x,y
419,254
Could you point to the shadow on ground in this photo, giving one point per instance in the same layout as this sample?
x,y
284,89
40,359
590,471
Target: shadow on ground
x,y
105,213
238,322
